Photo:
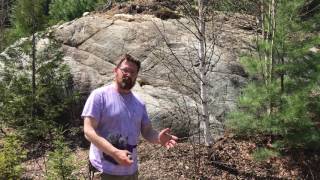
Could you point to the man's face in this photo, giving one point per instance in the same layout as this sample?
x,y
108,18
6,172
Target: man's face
x,y
126,75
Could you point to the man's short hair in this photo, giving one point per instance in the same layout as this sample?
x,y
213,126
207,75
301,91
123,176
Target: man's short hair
x,y
129,58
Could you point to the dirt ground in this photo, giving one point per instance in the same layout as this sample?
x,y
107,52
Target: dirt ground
x,y
228,158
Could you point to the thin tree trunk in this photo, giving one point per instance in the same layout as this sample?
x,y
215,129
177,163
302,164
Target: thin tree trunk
x,y
33,63
3,13
46,7
272,25
33,60
261,24
204,122
266,30
33,73
273,29
282,77
268,56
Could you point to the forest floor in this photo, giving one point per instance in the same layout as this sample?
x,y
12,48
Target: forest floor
x,y
228,158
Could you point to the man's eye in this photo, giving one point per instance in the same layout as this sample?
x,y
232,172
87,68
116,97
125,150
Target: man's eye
x,y
127,70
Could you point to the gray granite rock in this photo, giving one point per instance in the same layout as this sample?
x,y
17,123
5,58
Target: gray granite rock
x,y
92,44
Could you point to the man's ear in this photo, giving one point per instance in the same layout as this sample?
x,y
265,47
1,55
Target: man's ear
x,y
115,69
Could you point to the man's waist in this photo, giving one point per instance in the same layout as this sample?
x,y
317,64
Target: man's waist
x,y
129,148
110,168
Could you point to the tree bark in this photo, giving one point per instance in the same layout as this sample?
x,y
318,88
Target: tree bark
x,y
204,122
3,15
33,59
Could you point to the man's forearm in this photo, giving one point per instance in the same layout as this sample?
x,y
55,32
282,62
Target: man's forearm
x,y
151,135
100,142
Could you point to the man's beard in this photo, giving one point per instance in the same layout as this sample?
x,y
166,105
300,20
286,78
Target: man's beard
x,y
127,83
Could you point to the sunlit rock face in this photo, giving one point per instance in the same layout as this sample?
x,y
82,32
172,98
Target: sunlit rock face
x,y
168,52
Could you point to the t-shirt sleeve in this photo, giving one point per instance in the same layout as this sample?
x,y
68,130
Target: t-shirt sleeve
x,y
93,105
145,118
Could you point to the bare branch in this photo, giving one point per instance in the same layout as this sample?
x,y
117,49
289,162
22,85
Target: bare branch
x,y
173,54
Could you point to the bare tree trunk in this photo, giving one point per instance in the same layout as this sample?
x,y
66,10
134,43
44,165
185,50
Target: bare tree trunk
x,y
265,39
273,28
268,25
261,24
271,25
33,63
33,60
266,28
3,16
204,122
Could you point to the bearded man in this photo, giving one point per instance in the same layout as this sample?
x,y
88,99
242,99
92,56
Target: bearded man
x,y
114,117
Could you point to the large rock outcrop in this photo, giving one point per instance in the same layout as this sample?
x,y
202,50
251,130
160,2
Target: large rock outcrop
x,y
92,44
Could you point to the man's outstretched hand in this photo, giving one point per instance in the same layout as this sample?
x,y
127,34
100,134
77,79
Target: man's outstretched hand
x,y
167,140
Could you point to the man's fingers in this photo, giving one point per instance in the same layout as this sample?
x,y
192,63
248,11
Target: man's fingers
x,y
124,158
170,144
166,139
165,131
129,155
173,142
174,137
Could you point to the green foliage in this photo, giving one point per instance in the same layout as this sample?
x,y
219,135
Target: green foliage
x,y
28,16
241,6
12,154
61,162
262,154
54,94
67,10
7,38
285,104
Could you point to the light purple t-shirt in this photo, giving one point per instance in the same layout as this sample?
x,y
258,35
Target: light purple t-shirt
x,y
116,113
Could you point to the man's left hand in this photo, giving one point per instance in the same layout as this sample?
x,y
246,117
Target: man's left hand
x,y
167,140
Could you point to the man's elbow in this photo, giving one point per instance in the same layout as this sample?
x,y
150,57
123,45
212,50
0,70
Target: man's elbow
x,y
87,134
87,137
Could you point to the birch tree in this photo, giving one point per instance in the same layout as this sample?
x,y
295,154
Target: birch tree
x,y
189,72
204,123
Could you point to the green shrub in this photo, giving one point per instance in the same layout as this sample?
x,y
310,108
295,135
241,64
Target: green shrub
x,y
67,10
262,154
12,154
54,96
61,162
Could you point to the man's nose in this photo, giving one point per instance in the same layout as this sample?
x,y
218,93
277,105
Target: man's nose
x,y
127,74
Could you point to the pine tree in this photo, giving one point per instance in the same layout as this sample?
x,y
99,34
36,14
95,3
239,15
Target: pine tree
x,y
29,16
61,162
282,101
52,100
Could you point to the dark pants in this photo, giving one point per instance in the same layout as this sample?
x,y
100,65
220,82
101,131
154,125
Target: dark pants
x,y
113,177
